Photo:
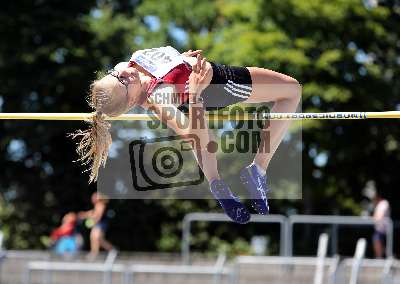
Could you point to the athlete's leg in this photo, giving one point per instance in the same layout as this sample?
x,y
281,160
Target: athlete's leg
x,y
95,235
207,159
285,92
198,126
205,153
175,119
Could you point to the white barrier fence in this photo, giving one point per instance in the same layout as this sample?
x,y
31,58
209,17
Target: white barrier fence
x,y
287,225
319,269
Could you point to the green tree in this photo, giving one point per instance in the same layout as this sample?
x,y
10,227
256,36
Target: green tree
x,y
345,53
346,56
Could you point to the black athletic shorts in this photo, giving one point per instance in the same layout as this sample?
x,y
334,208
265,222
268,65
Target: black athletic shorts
x,y
229,85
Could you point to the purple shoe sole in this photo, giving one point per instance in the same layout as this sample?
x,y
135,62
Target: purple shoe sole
x,y
256,187
229,202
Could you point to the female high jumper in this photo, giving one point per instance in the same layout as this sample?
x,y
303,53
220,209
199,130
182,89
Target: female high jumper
x,y
160,71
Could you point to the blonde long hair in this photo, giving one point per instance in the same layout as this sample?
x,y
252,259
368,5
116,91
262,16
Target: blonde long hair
x,y
95,142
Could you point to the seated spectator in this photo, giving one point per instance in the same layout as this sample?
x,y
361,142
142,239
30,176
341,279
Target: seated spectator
x,y
65,239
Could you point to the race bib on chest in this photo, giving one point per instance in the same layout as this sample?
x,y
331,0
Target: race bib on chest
x,y
158,61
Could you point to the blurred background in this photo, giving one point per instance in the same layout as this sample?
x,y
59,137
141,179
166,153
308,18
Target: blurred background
x,y
345,53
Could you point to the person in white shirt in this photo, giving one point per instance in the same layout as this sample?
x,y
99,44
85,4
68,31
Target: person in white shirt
x,y
380,215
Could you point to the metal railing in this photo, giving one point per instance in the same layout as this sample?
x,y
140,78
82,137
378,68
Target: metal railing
x,y
358,258
27,254
335,220
1,240
283,261
107,268
48,267
217,271
386,265
216,217
321,256
128,272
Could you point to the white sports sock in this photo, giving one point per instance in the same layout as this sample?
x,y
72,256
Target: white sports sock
x,y
260,170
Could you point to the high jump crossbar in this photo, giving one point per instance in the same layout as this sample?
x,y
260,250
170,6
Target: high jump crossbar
x,y
210,116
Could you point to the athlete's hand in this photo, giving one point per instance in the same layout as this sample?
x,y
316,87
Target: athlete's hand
x,y
198,77
191,53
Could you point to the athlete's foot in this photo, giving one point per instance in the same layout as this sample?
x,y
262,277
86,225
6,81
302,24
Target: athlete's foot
x,y
256,185
229,202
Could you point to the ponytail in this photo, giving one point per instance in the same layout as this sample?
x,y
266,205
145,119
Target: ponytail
x,y
94,145
95,142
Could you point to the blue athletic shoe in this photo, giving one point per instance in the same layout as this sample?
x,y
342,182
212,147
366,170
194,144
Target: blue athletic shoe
x,y
229,202
256,185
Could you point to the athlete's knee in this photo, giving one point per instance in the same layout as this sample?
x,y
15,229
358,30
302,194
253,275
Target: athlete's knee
x,y
295,89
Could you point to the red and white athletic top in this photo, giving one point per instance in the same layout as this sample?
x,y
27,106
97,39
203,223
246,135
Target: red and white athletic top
x,y
167,66
178,76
